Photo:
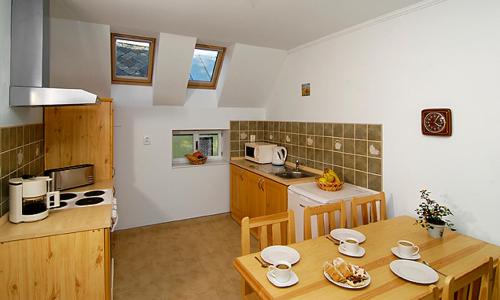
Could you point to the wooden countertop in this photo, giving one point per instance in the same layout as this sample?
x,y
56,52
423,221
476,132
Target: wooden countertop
x,y
61,221
263,171
98,185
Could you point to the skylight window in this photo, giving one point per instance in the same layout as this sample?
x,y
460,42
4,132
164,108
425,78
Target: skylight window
x,y
205,66
132,59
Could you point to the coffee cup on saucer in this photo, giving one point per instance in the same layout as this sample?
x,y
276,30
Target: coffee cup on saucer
x,y
281,271
407,248
350,245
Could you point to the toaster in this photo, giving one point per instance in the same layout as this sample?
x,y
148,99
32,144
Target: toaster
x,y
70,177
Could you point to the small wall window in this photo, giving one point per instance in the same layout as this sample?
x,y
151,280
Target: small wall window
x,y
205,67
208,142
132,59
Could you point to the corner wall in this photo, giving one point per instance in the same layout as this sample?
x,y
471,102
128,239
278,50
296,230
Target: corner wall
x,y
446,55
148,189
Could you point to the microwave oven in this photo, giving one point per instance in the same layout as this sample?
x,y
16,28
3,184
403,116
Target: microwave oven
x,y
259,152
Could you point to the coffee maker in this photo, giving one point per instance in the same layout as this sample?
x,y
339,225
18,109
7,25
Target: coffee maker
x,y
29,199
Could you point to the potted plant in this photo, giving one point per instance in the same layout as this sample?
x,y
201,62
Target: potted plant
x,y
431,215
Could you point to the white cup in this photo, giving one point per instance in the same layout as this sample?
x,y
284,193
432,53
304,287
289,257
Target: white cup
x,y
350,245
407,248
281,271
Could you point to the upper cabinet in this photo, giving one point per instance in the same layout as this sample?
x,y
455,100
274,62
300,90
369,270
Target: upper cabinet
x,y
80,134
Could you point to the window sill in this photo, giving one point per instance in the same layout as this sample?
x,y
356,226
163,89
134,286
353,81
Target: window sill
x,y
217,162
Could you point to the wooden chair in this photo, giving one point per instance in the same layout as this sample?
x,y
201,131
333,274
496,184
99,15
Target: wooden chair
x,y
263,223
320,211
473,284
266,237
368,204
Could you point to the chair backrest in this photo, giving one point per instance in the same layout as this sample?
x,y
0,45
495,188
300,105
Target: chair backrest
x,y
320,211
368,206
268,237
464,284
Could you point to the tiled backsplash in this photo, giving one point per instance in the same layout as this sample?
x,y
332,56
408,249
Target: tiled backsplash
x,y
354,151
21,153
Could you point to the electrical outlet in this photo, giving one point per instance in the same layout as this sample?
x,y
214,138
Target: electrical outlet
x,y
146,140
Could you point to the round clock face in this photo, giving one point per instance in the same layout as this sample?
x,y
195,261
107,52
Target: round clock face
x,y
434,122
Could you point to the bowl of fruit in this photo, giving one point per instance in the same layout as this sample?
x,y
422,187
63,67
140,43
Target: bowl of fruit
x,y
196,158
329,181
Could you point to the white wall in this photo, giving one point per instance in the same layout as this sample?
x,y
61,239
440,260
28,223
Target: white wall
x,y
447,55
171,72
10,116
148,189
248,75
80,56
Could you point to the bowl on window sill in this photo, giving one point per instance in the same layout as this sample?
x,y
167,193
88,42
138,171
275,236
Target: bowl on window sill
x,y
196,158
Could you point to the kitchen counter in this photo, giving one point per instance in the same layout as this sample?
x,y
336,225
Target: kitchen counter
x,y
268,170
61,221
98,185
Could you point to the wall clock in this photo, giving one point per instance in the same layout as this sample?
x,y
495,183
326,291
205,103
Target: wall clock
x,y
436,121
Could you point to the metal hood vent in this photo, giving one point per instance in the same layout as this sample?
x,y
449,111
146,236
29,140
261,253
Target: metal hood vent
x,y
29,60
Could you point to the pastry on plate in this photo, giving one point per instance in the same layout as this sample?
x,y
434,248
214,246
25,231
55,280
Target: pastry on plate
x,y
344,272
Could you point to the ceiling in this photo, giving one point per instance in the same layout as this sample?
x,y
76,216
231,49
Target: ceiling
x,y
282,24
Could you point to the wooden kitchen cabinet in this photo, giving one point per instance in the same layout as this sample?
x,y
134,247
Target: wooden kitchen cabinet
x,y
65,266
253,195
238,194
80,134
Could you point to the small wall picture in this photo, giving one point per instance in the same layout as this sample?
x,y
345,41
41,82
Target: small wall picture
x,y
306,89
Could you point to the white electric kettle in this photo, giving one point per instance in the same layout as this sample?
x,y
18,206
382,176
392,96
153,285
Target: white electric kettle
x,y
279,155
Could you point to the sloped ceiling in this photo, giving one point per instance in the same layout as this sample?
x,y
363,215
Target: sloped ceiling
x,y
248,75
282,24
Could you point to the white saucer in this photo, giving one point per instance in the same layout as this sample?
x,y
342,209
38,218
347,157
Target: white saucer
x,y
341,234
395,251
361,252
293,280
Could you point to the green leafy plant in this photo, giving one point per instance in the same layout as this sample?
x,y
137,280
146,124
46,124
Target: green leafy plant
x,y
432,213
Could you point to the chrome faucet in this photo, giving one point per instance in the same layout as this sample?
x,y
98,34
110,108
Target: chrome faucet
x,y
297,165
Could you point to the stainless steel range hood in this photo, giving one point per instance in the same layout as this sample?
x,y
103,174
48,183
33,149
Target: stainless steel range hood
x,y
29,60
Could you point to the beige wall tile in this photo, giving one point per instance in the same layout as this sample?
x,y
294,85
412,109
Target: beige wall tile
x,y
360,147
361,179
375,132
318,129
338,158
244,126
349,175
375,149
361,131
374,165
361,163
375,182
349,131
328,129
303,128
328,143
328,157
348,161
338,130
234,125
310,129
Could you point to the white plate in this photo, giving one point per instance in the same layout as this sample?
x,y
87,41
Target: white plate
x,y
395,251
274,254
341,234
414,271
293,280
346,285
360,253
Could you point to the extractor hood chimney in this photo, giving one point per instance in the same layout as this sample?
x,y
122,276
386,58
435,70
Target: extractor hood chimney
x,y
29,60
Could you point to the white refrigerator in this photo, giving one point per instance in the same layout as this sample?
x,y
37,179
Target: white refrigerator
x,y
309,194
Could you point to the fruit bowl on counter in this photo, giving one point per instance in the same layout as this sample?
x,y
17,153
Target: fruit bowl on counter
x,y
329,181
196,158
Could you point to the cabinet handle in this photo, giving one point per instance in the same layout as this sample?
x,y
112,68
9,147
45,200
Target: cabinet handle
x,y
301,205
241,177
262,184
260,181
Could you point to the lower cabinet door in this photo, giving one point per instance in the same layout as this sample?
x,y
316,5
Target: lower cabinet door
x,y
49,267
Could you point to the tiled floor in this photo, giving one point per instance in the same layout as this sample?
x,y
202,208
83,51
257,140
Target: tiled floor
x,y
189,259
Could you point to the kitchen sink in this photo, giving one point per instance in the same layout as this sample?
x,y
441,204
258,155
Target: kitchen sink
x,y
291,174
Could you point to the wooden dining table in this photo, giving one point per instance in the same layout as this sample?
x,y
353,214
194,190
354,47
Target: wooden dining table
x,y
453,254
